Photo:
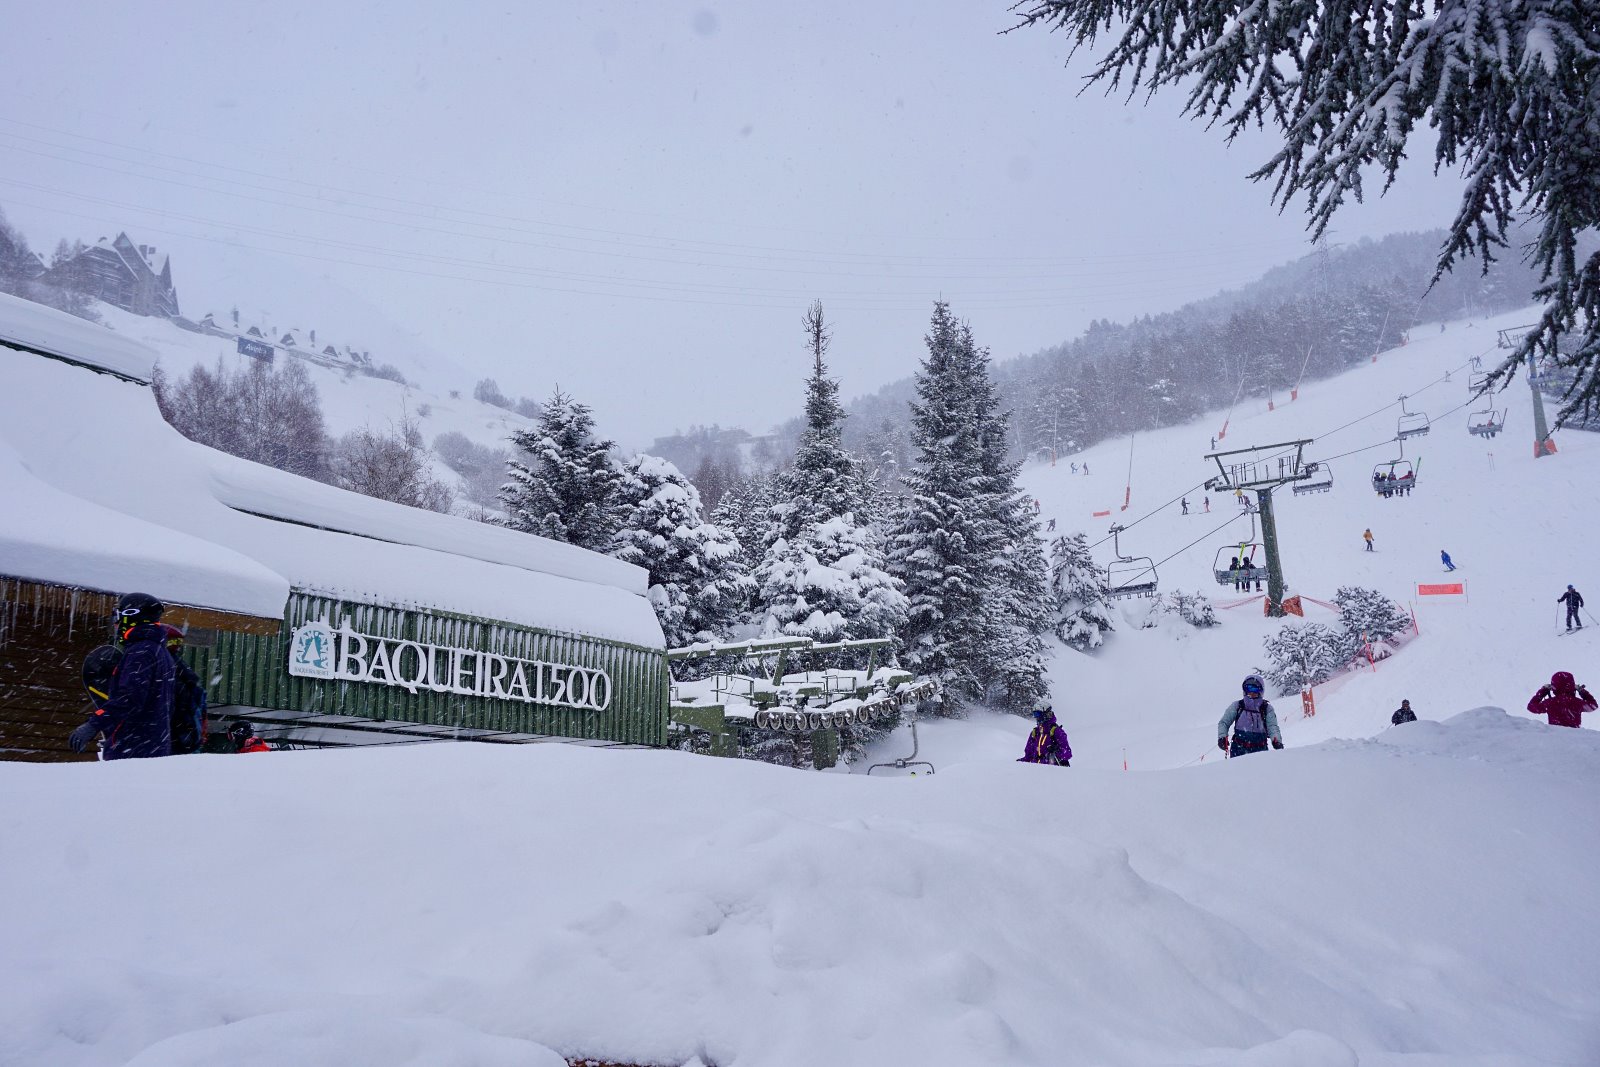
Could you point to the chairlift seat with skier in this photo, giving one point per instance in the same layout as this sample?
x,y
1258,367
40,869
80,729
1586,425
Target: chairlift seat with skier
x,y
1320,481
1393,476
1486,423
1252,566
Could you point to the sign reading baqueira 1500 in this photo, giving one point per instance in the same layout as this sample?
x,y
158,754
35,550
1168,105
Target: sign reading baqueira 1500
x,y
342,655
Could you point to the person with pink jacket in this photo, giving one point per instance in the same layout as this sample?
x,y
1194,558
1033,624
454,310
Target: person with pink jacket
x,y
1564,701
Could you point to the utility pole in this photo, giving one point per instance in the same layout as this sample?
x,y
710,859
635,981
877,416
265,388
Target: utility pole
x,y
1260,469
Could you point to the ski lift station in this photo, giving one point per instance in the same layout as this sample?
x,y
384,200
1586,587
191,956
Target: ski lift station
x,y
323,617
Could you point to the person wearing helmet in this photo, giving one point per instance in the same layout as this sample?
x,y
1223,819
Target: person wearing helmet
x,y
1403,714
1252,720
1573,600
136,716
1048,741
243,736
1563,701
188,700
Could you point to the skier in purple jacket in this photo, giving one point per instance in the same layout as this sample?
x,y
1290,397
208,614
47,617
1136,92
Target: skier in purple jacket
x,y
1048,741
1252,719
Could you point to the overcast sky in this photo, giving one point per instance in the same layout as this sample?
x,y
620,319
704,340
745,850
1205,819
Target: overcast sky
x,y
635,201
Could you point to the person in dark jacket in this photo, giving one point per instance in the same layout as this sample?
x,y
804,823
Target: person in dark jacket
x,y
1444,557
1573,600
1403,714
1252,719
136,718
188,699
243,736
1048,741
1564,701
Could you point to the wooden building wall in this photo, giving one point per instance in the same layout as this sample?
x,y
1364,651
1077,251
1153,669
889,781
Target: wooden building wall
x,y
45,631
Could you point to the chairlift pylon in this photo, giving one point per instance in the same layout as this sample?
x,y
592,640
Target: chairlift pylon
x,y
1320,479
1411,423
1128,576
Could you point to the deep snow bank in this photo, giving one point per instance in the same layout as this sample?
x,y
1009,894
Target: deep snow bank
x,y
1420,898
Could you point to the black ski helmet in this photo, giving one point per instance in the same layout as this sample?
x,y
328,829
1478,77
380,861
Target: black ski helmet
x,y
98,667
139,607
240,732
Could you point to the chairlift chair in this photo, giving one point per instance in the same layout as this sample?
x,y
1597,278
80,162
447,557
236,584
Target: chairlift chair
x,y
1393,476
1321,480
1410,423
1486,423
1476,383
1252,567
1128,576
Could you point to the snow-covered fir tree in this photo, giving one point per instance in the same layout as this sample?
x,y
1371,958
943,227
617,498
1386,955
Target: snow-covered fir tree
x,y
699,585
958,539
823,575
561,482
1367,616
1082,606
1016,607
745,511
1302,656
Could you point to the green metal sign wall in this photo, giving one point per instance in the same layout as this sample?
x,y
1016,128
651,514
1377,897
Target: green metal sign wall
x,y
252,670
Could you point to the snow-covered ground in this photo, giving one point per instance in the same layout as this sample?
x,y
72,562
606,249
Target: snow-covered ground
x,y
349,401
1411,897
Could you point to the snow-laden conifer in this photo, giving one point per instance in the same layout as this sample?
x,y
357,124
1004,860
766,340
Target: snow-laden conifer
x,y
1299,657
561,482
698,583
1082,615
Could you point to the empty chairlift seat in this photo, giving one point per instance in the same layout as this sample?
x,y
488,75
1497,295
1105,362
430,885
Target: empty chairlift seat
x,y
1319,479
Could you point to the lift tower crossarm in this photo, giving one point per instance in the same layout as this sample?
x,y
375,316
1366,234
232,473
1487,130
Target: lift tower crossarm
x,y
1261,469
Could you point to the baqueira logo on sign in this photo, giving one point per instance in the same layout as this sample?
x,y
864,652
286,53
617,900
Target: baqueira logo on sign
x,y
317,650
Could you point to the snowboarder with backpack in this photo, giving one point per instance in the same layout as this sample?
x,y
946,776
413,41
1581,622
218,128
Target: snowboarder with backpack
x,y
1048,741
136,716
1403,714
1563,701
1252,719
1573,600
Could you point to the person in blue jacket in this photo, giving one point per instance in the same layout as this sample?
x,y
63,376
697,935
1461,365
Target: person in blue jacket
x,y
136,718
1252,720
188,699
1445,558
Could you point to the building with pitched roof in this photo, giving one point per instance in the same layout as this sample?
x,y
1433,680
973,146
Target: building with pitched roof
x,y
132,277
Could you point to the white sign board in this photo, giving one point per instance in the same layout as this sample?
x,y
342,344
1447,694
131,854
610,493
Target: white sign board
x,y
318,650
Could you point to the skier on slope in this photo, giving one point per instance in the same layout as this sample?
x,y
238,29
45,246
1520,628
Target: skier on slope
x,y
1252,719
1366,536
1573,600
1403,714
1048,741
1444,557
1563,701
136,717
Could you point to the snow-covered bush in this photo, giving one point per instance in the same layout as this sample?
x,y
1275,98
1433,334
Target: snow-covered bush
x,y
1302,656
1193,608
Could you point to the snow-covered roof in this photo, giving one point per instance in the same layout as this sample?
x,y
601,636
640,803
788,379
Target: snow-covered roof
x,y
107,496
24,324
